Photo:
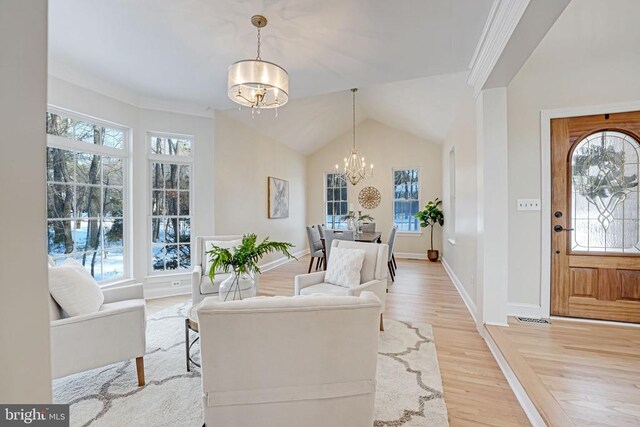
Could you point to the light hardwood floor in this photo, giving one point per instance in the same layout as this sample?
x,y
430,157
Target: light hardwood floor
x,y
476,392
580,374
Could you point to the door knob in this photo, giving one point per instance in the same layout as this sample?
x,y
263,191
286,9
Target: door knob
x,y
558,228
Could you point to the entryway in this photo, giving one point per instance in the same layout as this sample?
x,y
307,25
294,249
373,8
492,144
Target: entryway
x,y
595,224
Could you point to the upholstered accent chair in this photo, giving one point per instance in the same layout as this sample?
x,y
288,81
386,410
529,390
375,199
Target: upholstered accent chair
x,y
391,263
331,235
316,247
369,227
373,275
113,334
289,361
201,285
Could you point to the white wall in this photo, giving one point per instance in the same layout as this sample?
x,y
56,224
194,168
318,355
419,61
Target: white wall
x,y
461,255
243,160
25,367
386,148
81,100
589,57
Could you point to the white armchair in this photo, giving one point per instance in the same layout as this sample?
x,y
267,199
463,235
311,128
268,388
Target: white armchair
x,y
373,275
289,361
113,334
201,285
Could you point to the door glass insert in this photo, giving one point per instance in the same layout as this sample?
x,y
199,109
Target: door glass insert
x,y
604,194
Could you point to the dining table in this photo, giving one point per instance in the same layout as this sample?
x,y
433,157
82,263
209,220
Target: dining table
x,y
368,236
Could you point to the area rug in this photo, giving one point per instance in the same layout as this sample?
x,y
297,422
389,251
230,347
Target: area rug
x,y
408,392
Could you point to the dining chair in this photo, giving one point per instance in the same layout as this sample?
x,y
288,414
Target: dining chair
x,y
392,259
316,249
321,228
369,227
331,235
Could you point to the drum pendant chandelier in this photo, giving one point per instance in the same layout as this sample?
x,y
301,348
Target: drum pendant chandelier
x,y
258,84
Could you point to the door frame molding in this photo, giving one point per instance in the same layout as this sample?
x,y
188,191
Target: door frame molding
x,y
545,181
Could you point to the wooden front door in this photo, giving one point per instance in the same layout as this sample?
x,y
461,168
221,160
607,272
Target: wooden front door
x,y
595,242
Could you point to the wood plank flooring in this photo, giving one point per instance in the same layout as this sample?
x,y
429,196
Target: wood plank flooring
x,y
476,392
582,374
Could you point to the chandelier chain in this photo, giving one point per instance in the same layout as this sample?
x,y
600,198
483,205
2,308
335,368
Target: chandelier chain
x,y
258,57
354,119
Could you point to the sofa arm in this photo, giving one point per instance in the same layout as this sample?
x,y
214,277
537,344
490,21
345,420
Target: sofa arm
x,y
123,293
91,340
378,287
305,280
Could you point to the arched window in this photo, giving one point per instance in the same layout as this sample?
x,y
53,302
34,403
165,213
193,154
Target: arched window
x,y
604,193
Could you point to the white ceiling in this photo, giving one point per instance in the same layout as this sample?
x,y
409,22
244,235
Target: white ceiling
x,y
409,58
179,50
424,107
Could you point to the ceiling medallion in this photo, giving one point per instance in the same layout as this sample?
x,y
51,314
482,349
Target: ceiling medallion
x,y
369,197
258,84
355,169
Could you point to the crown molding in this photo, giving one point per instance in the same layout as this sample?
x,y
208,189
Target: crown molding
x,y
103,87
501,23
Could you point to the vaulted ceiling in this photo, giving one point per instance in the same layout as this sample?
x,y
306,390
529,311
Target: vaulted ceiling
x,y
179,50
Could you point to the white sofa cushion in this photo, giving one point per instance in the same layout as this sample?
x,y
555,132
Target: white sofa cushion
x,y
74,289
344,267
226,244
324,288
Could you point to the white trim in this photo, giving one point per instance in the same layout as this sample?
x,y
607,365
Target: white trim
x,y
516,309
545,200
166,291
393,199
409,233
503,18
67,74
410,255
597,322
468,301
523,398
281,261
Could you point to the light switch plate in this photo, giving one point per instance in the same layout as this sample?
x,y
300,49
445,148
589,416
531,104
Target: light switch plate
x,y
528,204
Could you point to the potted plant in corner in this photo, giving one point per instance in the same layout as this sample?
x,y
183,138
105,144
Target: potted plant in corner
x,y
242,261
429,217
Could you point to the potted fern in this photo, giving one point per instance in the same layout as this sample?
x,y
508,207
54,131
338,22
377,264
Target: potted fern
x,y
242,261
429,217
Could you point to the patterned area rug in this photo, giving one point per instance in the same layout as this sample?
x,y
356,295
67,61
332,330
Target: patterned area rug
x,y
408,394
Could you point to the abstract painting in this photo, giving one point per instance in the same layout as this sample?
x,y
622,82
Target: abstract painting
x,y
278,198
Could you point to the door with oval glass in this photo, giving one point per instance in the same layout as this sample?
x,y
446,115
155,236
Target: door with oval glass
x,y
595,237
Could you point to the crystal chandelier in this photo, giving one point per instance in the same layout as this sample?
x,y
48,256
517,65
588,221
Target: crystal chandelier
x,y
355,168
258,84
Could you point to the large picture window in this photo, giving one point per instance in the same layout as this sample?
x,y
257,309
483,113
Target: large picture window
x,y
406,199
86,176
171,166
336,202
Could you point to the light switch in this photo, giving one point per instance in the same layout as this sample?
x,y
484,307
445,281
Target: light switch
x,y
528,204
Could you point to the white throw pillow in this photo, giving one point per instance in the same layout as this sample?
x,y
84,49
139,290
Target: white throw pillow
x,y
344,267
225,244
74,289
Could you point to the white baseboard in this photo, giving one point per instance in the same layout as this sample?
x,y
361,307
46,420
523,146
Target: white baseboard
x,y
166,291
533,311
281,261
409,255
523,398
468,301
